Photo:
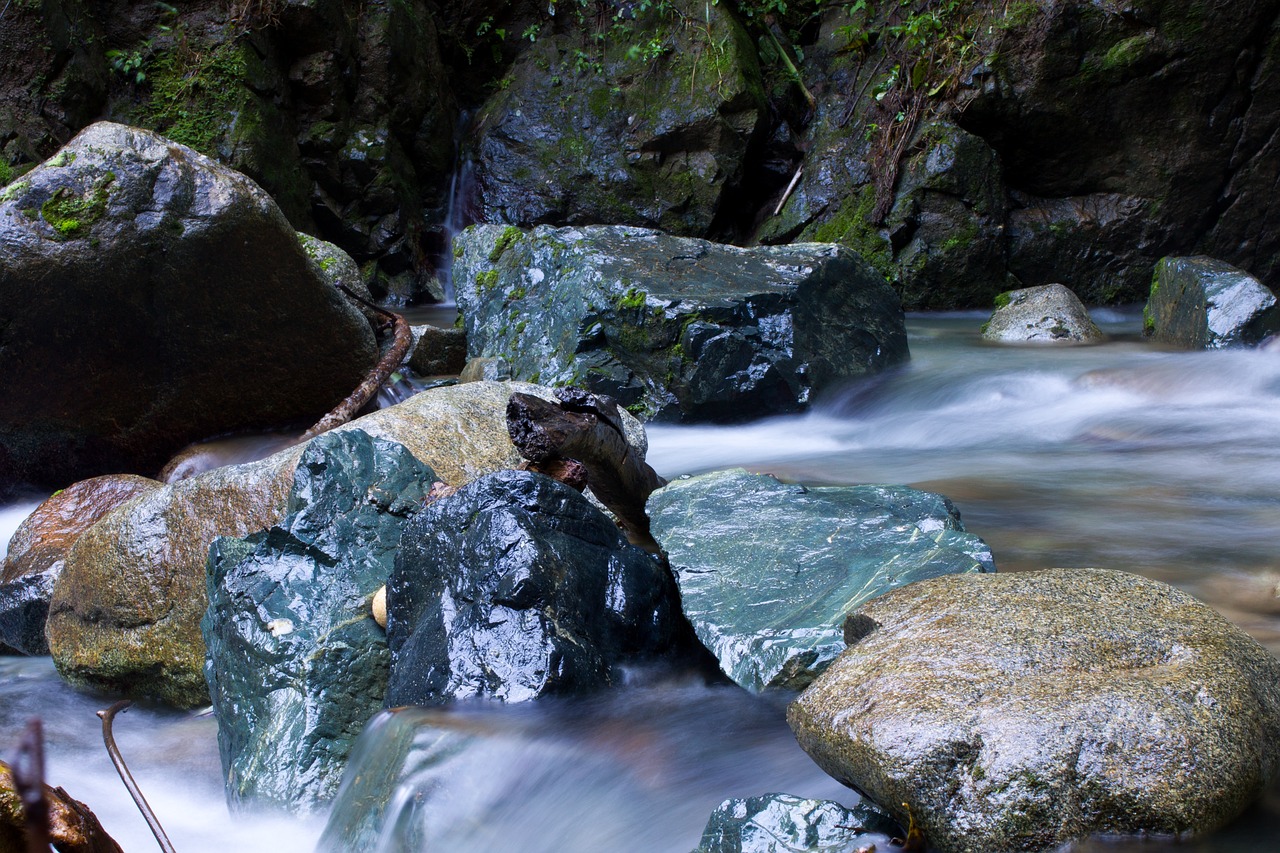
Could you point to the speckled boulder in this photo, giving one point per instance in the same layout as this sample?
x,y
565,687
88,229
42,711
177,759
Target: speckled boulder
x,y
768,570
785,823
1049,314
1018,711
1202,303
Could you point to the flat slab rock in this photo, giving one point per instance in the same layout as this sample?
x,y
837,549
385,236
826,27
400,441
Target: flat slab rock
x,y
1019,711
768,570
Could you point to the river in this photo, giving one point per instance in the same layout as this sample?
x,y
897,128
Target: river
x,y
1120,455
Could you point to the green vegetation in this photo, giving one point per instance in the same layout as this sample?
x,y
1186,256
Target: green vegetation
x,y
634,298
70,214
6,172
509,235
486,281
194,99
1002,300
853,226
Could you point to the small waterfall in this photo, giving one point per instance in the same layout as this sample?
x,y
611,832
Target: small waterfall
x,y
461,209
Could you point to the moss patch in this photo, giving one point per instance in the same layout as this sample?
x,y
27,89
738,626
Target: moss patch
x,y
852,226
509,235
1002,300
70,215
195,103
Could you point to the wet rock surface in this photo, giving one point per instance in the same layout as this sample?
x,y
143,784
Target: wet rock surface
x,y
675,328
204,341
517,587
785,823
1050,314
38,551
296,664
768,571
1202,303
1019,711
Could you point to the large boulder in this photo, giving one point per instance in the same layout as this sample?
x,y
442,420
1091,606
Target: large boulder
x,y
181,298
1019,711
675,328
296,664
125,615
1202,303
767,571
1049,314
785,823
649,129
518,587
39,548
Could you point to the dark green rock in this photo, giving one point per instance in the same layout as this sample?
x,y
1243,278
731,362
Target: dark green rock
x,y
675,328
1019,711
24,607
517,587
127,239
1202,303
785,823
767,571
648,125
296,665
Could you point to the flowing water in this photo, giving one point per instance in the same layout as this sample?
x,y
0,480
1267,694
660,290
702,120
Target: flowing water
x,y
1120,455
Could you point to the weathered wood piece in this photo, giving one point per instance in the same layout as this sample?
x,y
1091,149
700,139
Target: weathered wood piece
x,y
587,428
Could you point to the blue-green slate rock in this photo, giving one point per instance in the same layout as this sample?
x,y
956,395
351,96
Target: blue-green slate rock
x,y
1201,303
785,823
517,587
767,571
296,664
675,328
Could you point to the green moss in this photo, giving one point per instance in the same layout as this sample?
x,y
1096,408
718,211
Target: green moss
x,y
62,158
1002,300
509,235
962,239
195,103
851,226
14,190
1125,53
486,281
70,214
634,298
457,250
6,173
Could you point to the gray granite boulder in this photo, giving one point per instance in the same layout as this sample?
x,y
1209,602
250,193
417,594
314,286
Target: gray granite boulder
x,y
1019,711
767,571
1202,303
517,587
295,662
785,823
184,303
675,328
1049,314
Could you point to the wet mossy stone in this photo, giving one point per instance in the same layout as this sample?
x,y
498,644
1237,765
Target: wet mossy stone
x,y
1049,314
785,823
296,664
1018,711
768,571
1202,303
517,587
675,328
184,304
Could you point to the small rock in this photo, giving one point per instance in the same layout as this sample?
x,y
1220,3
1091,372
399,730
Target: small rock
x,y
1049,314
785,823
438,352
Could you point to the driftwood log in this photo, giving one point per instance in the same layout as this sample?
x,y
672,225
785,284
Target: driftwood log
x,y
582,436
401,341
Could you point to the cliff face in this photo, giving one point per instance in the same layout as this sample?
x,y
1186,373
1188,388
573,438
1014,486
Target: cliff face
x,y
963,146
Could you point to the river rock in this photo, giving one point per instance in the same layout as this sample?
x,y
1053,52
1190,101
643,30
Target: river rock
x,y
651,129
1202,303
1019,711
785,823
675,328
296,664
106,635
517,587
1048,314
182,301
38,551
438,352
767,571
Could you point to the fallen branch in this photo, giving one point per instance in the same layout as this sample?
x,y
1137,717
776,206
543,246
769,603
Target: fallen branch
x,y
588,429
402,339
28,781
125,776
795,179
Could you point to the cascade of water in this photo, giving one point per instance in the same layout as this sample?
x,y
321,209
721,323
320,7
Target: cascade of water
x,y
461,209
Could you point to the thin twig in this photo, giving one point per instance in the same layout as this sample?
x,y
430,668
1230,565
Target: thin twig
x,y
125,776
28,780
795,179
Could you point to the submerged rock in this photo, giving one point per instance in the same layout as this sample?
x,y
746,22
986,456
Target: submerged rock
x,y
517,587
675,328
184,305
39,547
785,823
1202,303
125,614
296,664
1042,315
1020,711
768,571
